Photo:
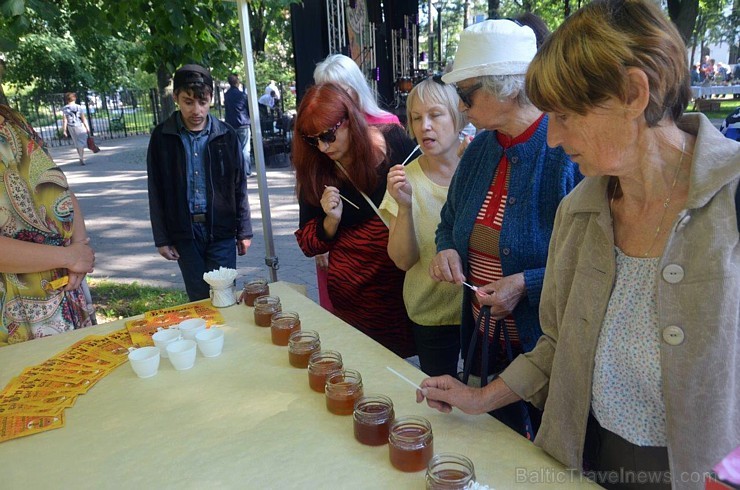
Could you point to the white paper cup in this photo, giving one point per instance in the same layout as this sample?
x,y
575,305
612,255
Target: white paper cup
x,y
162,338
190,327
144,361
210,342
182,354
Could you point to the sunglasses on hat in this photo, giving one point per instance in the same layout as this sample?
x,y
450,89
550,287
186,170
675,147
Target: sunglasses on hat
x,y
329,136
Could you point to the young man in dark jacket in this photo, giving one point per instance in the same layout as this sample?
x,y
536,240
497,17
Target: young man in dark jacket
x,y
197,188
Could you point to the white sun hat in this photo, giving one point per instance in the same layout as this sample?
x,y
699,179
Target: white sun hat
x,y
493,47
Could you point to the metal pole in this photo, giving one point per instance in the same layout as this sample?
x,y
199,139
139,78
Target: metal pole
x,y
271,259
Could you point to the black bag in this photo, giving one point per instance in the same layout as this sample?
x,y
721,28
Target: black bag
x,y
484,319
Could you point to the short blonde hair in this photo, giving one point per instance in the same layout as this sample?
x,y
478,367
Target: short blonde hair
x,y
431,91
585,61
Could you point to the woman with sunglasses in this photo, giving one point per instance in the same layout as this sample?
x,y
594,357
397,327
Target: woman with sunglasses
x,y
415,195
496,224
341,165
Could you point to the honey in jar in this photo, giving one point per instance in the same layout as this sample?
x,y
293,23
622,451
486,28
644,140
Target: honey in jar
x,y
410,443
343,388
253,290
264,308
319,365
282,324
372,419
300,347
449,471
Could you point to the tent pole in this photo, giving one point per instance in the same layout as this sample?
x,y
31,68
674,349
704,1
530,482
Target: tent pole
x,y
271,260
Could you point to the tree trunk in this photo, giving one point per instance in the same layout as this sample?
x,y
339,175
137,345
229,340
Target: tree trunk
x,y
166,103
683,13
3,98
466,9
493,9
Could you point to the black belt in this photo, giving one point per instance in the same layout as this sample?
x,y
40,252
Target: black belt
x,y
198,218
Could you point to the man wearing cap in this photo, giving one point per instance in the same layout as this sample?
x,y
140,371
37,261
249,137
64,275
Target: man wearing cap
x,y
496,224
198,201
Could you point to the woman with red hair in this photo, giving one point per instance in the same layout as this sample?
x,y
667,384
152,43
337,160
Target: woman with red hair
x,y
341,166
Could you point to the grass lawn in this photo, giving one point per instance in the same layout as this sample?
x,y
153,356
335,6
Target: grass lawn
x,y
114,300
726,107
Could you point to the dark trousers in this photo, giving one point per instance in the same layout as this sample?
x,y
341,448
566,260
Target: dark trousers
x,y
199,256
438,348
617,464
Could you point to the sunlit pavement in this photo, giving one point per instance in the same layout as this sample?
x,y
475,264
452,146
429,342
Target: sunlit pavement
x,y
112,191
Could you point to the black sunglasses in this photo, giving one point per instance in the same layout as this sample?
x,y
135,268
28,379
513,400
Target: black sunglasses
x,y
466,95
329,136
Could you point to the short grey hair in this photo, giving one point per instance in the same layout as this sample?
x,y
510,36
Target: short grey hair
x,y
504,86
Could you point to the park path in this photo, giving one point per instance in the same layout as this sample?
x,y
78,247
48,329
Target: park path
x,y
112,192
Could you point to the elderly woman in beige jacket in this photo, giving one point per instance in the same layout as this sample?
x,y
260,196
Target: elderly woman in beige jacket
x,y
637,370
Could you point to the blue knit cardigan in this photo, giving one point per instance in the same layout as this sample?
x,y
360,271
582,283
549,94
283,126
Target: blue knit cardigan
x,y
540,177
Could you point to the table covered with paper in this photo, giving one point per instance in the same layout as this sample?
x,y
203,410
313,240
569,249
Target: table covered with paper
x,y
246,419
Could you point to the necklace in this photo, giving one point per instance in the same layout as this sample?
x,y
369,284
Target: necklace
x,y
666,203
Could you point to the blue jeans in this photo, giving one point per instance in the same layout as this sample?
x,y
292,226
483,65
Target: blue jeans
x,y
199,256
244,133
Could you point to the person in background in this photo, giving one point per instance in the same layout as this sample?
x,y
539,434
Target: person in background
x,y
237,116
339,157
637,367
75,124
343,71
731,125
414,198
696,76
500,209
46,252
198,201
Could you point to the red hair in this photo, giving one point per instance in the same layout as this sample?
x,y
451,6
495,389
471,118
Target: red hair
x,y
322,107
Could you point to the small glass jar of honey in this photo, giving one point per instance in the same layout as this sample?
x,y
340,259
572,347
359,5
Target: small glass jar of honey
x,y
410,443
301,345
343,388
373,416
264,308
319,365
282,325
448,471
254,289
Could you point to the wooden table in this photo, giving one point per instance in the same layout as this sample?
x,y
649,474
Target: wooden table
x,y
247,419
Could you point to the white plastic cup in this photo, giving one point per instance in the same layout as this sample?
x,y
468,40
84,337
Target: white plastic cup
x,y
190,327
144,361
210,342
182,354
163,337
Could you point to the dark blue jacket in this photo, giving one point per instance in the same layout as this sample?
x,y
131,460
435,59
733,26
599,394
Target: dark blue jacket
x,y
237,109
228,214
540,177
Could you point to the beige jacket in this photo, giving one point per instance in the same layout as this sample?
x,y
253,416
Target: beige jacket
x,y
698,315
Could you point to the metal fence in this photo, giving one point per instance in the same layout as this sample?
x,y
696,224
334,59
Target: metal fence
x,y
113,115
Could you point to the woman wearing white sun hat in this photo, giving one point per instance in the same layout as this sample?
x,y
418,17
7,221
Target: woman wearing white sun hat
x,y
500,209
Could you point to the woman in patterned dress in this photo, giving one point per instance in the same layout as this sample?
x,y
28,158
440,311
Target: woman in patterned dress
x,y
339,155
42,238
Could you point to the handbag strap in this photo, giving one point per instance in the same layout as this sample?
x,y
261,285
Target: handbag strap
x,y
367,198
